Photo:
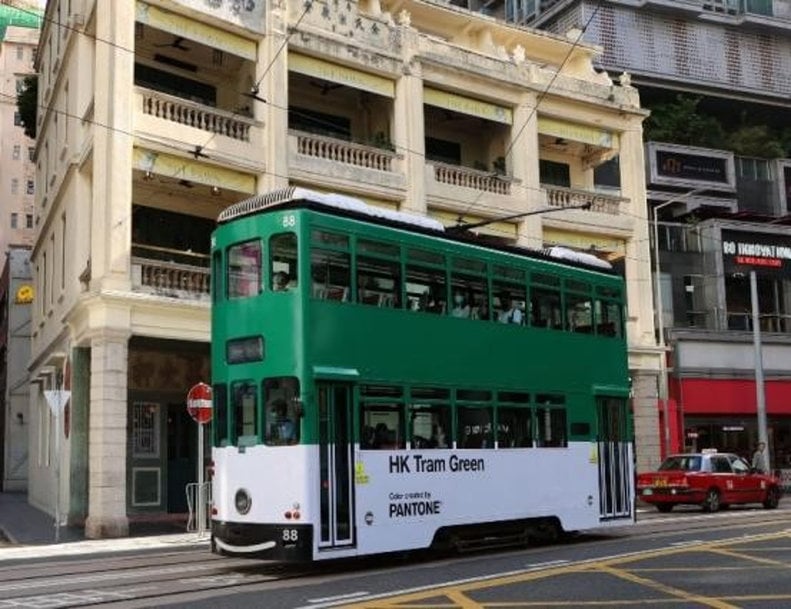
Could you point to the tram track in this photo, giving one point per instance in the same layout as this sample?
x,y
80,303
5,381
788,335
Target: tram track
x,y
154,579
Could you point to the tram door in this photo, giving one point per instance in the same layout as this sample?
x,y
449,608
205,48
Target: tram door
x,y
336,465
615,471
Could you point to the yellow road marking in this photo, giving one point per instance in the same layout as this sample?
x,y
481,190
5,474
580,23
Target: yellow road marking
x,y
669,590
456,592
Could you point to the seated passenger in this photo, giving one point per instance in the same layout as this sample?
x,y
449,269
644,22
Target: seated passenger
x,y
281,281
283,429
460,306
512,314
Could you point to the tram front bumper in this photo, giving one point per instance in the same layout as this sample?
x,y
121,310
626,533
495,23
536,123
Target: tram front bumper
x,y
280,542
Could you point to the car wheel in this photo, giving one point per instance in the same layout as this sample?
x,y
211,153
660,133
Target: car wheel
x,y
664,507
772,498
712,501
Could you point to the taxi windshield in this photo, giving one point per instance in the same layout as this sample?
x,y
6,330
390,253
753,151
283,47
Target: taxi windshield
x,y
688,463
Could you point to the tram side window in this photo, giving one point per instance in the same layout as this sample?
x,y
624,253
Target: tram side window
x,y
545,308
425,285
244,269
469,289
551,426
282,410
430,426
609,318
244,405
220,418
283,269
514,427
378,282
382,426
508,300
579,313
474,427
330,273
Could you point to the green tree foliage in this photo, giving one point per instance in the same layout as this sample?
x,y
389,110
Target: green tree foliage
x,y
680,122
755,140
27,104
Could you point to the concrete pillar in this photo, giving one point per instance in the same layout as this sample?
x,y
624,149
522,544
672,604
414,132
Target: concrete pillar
x,y
111,207
646,419
524,165
108,437
78,435
274,89
409,126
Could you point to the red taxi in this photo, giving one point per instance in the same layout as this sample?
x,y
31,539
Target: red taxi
x,y
710,479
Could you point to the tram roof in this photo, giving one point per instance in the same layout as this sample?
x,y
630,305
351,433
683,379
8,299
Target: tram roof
x,y
351,207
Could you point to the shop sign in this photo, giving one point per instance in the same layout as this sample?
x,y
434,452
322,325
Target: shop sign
x,y
754,251
674,165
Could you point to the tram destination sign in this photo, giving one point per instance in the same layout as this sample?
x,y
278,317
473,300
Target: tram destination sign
x,y
765,254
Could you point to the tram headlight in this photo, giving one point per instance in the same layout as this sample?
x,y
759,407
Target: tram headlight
x,y
243,501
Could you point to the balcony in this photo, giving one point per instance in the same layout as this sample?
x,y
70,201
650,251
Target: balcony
x,y
171,278
163,117
558,196
333,161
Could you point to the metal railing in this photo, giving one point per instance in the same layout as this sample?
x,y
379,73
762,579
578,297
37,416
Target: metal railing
x,y
191,114
199,496
737,321
558,196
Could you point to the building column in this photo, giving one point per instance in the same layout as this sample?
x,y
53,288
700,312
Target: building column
x,y
78,435
523,164
107,437
272,63
647,433
409,125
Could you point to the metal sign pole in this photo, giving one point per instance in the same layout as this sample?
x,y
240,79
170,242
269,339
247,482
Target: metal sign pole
x,y
57,468
200,494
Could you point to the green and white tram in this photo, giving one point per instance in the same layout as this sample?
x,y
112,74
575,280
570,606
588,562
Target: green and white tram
x,y
382,384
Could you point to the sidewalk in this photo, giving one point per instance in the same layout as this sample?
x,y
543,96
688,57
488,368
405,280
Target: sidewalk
x,y
27,532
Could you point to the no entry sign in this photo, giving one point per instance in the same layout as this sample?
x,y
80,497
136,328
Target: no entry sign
x,y
199,405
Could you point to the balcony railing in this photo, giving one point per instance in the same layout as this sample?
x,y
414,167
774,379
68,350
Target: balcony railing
x,y
169,278
341,151
557,196
205,118
721,321
467,177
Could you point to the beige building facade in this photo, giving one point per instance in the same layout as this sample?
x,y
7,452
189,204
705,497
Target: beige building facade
x,y
17,168
159,114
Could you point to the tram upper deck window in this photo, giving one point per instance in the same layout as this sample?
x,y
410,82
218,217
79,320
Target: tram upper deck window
x,y
608,313
244,269
426,287
283,268
283,411
330,266
469,289
579,309
545,311
244,406
378,274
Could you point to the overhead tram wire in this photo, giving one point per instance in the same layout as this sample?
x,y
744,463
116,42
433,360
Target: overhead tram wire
x,y
286,177
543,93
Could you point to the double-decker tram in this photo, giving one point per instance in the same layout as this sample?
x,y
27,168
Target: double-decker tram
x,y
382,384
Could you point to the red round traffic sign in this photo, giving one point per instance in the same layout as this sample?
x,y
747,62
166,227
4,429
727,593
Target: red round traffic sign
x,y
199,403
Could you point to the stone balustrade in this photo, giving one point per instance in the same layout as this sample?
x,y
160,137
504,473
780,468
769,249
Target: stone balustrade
x,y
341,151
466,177
191,114
170,279
557,196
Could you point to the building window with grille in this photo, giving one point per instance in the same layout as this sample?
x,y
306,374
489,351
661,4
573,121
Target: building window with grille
x,y
17,150
145,430
31,187
14,220
28,220
17,119
14,186
31,153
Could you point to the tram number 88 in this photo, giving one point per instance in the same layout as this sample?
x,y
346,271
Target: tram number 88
x,y
290,535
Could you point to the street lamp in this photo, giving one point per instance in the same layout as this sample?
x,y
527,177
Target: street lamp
x,y
660,321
